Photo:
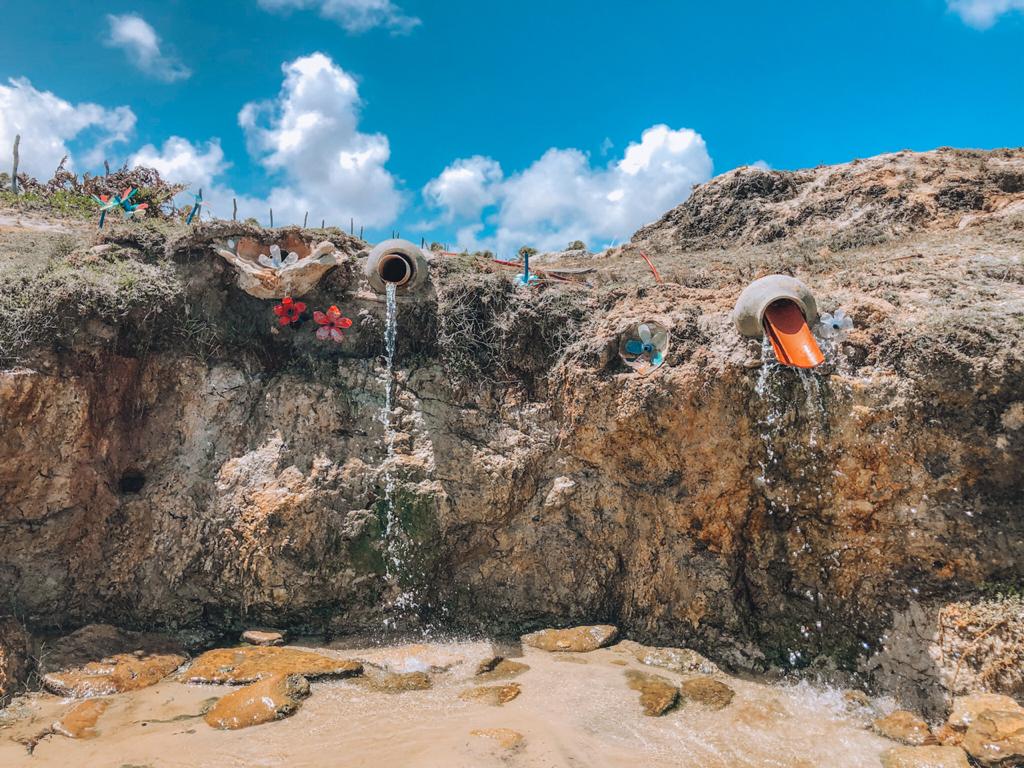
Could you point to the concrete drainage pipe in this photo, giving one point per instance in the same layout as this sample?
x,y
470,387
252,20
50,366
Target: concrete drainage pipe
x,y
399,263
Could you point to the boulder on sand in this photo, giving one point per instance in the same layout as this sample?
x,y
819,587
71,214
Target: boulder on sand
x,y
577,639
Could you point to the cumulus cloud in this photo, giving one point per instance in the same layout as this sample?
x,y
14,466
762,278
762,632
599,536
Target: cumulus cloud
x,y
309,138
562,197
353,15
984,13
140,42
183,162
47,123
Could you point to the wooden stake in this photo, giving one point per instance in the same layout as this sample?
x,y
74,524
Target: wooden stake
x,y
352,226
271,218
14,174
360,231
234,209
106,168
305,219
323,223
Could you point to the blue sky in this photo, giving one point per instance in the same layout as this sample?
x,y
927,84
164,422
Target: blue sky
x,y
499,124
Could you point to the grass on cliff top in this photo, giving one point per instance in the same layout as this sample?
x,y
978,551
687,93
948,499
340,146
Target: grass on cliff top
x,y
49,284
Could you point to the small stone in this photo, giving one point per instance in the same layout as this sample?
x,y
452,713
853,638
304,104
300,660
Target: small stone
x,y
503,670
263,637
117,674
967,708
396,682
488,664
996,738
79,722
681,660
272,698
494,695
250,663
505,737
578,639
657,695
904,727
857,699
707,691
925,757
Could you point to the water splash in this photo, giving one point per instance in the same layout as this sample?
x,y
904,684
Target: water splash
x,y
393,544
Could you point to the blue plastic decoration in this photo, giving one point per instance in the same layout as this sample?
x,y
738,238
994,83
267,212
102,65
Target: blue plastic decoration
x,y
196,207
644,346
129,209
106,203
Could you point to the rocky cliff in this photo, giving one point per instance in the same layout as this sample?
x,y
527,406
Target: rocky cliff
x,y
175,459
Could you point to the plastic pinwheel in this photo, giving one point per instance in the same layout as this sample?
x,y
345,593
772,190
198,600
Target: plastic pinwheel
x,y
644,346
129,209
106,203
274,260
835,325
197,208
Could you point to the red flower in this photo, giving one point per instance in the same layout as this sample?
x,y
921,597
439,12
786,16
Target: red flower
x,y
331,324
289,311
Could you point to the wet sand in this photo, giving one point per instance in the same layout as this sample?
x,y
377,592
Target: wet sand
x,y
575,711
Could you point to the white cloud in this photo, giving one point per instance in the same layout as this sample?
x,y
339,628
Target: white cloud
x,y
561,197
309,137
140,42
465,187
183,162
354,15
47,123
982,14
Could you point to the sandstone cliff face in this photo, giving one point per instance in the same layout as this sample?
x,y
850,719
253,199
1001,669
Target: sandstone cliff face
x,y
721,503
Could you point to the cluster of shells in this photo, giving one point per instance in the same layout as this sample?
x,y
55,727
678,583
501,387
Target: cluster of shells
x,y
288,267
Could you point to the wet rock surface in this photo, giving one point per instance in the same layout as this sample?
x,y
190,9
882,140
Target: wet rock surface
x,y
506,738
925,757
996,738
904,727
707,692
680,660
248,664
498,668
264,701
97,641
576,639
657,695
383,681
495,695
79,722
114,674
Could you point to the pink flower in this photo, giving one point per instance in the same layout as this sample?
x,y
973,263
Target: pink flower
x,y
331,324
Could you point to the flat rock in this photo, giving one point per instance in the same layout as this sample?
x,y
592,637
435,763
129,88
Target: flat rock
x,y
250,663
578,639
503,669
263,637
264,701
116,674
657,695
415,658
996,738
395,682
79,722
494,695
680,660
967,708
904,727
706,691
925,757
506,738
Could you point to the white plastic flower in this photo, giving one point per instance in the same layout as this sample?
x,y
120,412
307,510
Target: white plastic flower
x,y
274,260
831,326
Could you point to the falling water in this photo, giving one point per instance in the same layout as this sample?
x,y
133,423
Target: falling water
x,y
392,528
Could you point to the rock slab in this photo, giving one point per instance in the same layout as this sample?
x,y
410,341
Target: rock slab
x,y
269,699
249,664
116,674
657,695
925,757
576,639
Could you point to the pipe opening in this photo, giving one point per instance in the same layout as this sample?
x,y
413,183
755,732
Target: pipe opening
x,y
395,268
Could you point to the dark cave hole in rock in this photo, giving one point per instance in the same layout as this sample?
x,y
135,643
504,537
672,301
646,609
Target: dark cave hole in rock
x,y
131,482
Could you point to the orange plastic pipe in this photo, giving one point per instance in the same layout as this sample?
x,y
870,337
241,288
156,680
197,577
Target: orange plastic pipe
x,y
791,339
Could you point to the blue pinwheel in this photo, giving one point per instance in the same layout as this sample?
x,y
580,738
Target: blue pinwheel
x,y
106,203
644,346
126,204
197,207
